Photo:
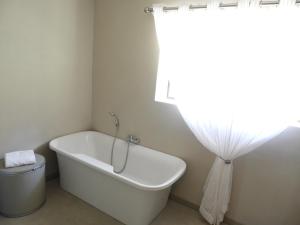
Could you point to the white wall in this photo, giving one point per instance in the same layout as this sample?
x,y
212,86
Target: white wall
x,y
266,182
45,91
45,72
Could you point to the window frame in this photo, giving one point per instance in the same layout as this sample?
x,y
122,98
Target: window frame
x,y
162,92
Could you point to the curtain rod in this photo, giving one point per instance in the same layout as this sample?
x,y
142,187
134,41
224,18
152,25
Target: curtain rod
x,y
222,5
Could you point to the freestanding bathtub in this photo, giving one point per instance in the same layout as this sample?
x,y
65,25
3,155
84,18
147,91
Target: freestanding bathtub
x,y
134,197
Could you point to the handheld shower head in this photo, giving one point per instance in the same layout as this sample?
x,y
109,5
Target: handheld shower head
x,y
115,119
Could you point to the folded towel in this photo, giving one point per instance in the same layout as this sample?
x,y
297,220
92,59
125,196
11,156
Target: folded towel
x,y
19,158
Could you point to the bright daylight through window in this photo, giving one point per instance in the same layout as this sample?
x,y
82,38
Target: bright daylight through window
x,y
235,57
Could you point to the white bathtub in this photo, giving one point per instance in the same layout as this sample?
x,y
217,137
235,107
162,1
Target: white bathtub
x,y
134,197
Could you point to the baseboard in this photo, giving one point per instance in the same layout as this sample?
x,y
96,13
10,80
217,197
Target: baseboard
x,y
231,221
173,197
194,206
184,202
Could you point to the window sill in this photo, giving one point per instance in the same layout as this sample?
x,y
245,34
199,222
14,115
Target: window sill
x,y
295,124
165,100
172,102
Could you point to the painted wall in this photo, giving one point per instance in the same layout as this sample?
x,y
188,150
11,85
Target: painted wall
x,y
45,72
266,182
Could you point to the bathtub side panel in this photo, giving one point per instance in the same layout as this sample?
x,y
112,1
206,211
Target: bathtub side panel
x,y
123,202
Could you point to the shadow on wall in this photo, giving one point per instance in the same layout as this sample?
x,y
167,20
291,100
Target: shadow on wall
x,y
51,160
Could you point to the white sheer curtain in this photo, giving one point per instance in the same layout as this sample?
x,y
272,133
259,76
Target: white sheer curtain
x,y
235,73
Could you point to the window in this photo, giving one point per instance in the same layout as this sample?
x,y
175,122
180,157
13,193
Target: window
x,y
226,61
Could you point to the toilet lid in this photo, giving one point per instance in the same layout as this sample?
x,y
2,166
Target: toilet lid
x,y
40,161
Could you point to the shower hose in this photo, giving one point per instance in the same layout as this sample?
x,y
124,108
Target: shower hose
x,y
112,153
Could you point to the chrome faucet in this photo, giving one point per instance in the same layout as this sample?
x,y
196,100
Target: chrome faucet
x,y
133,139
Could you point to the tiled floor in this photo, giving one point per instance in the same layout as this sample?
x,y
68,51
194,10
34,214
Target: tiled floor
x,y
63,208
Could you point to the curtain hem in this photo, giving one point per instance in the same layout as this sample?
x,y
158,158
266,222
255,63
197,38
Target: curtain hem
x,y
209,218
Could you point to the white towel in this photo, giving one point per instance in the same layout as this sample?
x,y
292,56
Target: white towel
x,y
19,158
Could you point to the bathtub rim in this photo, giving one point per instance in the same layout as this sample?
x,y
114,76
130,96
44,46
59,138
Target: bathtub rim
x,y
109,170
